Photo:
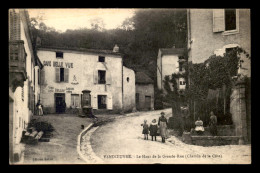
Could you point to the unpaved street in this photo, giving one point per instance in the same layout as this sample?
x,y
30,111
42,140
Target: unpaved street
x,y
124,137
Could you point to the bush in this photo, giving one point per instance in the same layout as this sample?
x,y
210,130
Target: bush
x,y
41,126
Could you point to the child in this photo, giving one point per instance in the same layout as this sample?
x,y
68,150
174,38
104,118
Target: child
x,y
153,129
145,130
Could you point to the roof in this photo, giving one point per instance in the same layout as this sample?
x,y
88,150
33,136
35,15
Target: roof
x,y
142,78
97,51
172,51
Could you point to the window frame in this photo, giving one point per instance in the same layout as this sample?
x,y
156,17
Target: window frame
x,y
59,57
234,31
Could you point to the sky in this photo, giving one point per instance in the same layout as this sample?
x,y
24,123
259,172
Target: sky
x,y
63,19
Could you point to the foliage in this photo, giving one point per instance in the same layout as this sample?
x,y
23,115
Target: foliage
x,y
139,38
41,126
216,74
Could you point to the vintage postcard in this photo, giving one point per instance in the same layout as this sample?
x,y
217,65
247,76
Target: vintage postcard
x,y
129,86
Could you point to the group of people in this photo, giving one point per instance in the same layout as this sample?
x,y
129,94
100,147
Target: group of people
x,y
156,129
212,125
160,128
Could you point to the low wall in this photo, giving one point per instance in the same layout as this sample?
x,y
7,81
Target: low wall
x,y
210,140
215,140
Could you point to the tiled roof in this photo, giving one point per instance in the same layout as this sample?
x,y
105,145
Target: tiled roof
x,y
172,51
79,50
142,78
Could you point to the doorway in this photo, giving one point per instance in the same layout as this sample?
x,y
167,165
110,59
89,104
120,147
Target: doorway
x,y
60,104
148,102
102,104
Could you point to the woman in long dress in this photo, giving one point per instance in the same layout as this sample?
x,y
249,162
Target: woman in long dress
x,y
163,126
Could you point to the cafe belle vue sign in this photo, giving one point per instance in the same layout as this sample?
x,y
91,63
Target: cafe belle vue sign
x,y
58,64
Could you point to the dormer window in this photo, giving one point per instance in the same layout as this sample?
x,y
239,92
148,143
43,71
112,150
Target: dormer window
x,y
101,59
59,54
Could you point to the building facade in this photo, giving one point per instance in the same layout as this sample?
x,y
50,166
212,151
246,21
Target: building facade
x,y
170,61
67,72
24,88
215,31
144,92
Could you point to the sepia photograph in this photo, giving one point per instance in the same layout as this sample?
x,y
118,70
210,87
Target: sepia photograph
x,y
129,86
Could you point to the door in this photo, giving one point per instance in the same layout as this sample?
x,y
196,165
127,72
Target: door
x,y
60,102
148,102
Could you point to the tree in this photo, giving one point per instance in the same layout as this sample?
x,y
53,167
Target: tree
x,y
97,24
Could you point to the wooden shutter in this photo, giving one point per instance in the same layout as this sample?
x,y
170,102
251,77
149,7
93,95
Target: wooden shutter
x,y
94,101
42,77
109,102
66,75
95,76
218,20
57,74
14,30
108,77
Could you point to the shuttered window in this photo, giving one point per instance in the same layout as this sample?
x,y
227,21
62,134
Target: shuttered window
x,y
218,20
66,75
57,74
62,74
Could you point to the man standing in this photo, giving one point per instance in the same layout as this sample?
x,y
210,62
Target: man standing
x,y
213,124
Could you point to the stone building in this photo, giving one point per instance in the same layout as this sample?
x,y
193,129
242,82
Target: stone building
x,y
24,88
217,31
170,61
69,71
144,92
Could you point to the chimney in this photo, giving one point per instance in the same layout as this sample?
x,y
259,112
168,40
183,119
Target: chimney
x,y
116,48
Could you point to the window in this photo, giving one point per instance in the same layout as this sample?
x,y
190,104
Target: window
x,y
101,59
62,74
102,101
59,54
182,82
75,100
226,21
230,19
127,79
101,77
